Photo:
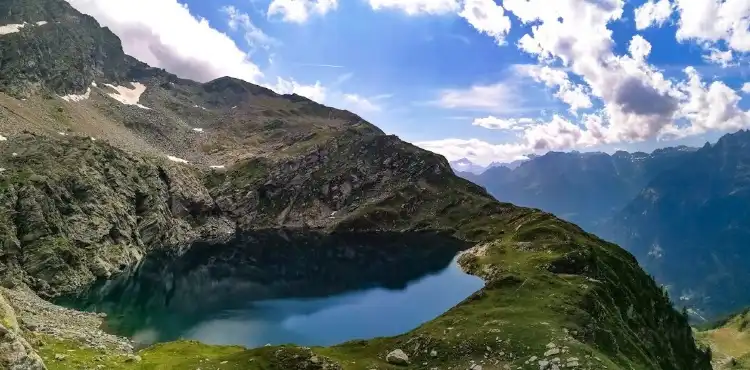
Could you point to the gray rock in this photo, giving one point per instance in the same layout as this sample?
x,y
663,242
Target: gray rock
x,y
397,357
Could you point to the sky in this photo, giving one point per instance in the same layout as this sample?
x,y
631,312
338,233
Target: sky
x,y
491,81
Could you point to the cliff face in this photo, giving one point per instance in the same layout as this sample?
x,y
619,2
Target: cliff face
x,y
75,208
689,227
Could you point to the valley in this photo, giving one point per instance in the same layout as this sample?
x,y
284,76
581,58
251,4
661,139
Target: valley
x,y
678,210
161,211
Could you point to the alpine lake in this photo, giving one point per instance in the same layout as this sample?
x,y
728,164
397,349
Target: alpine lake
x,y
283,288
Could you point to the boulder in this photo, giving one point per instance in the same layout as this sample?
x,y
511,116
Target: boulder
x,y
397,357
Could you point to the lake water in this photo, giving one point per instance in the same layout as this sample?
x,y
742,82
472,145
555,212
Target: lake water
x,y
360,314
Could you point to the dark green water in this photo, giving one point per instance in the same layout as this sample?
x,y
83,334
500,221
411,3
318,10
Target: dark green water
x,y
338,296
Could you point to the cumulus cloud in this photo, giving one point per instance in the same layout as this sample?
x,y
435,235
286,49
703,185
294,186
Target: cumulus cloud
x,y
746,88
487,17
299,11
639,48
163,33
416,7
254,36
575,95
635,101
652,13
708,107
712,21
497,97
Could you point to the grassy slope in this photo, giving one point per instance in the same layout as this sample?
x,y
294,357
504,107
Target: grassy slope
x,y
729,340
547,281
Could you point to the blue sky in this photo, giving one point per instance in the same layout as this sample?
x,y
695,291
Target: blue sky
x,y
454,77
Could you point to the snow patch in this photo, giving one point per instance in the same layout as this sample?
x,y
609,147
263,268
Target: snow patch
x,y
197,129
14,28
217,167
127,95
175,159
3,138
15,154
75,98
93,84
62,133
93,138
2,169
11,28
198,106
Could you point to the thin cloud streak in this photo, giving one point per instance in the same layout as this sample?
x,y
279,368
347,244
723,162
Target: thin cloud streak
x,y
320,65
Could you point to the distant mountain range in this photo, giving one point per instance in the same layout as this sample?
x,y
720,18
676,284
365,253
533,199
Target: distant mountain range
x,y
467,166
683,212
585,188
690,226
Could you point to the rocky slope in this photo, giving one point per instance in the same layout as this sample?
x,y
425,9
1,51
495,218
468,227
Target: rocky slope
x,y
75,208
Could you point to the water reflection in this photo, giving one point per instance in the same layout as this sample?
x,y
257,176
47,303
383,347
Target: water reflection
x,y
360,314
306,291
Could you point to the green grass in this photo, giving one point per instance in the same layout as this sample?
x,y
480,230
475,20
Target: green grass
x,y
523,307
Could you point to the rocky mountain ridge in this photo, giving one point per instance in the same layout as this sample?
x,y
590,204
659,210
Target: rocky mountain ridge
x,y
585,188
689,227
95,181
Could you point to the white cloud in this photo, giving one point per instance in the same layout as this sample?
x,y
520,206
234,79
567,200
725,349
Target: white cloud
x,y
574,95
637,100
708,107
475,150
416,7
316,92
299,11
360,103
494,123
652,13
487,17
711,21
164,34
572,41
746,88
556,134
722,58
254,36
639,48
496,97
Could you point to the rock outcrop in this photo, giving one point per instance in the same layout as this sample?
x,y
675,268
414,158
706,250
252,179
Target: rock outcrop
x,y
15,352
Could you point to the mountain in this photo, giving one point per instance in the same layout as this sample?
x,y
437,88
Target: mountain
x,y
585,188
465,165
689,226
108,165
